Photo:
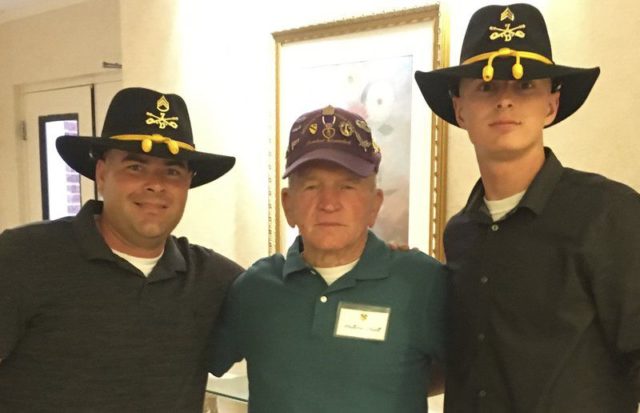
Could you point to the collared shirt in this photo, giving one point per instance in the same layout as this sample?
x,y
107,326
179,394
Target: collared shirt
x,y
546,302
82,330
282,317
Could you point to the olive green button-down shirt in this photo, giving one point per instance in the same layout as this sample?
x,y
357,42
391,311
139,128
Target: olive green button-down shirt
x,y
546,301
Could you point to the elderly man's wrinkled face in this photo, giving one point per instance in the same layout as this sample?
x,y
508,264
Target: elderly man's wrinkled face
x,y
144,198
332,208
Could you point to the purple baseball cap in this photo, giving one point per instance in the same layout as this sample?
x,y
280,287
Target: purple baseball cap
x,y
335,135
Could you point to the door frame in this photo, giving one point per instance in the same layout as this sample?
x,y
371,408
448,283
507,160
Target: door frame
x,y
21,91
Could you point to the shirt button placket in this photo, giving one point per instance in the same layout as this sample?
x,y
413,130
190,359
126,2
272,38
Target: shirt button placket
x,y
322,316
481,337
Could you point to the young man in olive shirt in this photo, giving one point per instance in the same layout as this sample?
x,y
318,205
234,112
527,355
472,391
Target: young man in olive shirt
x,y
544,259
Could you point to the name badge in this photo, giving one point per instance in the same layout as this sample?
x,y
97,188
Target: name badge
x,y
365,322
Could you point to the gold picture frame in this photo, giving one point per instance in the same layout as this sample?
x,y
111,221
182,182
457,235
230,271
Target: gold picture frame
x,y
372,58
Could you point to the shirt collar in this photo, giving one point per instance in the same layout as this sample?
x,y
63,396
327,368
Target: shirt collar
x,y
543,184
93,246
538,192
373,262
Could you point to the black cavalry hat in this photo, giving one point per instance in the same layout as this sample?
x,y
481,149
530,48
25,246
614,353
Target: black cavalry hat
x,y
147,122
506,43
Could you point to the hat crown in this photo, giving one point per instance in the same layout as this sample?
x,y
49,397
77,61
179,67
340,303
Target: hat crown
x,y
145,121
507,43
516,26
140,111
332,134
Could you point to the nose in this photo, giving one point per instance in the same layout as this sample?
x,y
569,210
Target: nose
x,y
154,182
505,96
504,101
329,200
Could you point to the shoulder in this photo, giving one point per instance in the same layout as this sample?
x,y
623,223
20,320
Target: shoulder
x,y
29,251
414,257
378,254
197,255
417,265
263,269
582,181
36,234
254,285
271,263
597,194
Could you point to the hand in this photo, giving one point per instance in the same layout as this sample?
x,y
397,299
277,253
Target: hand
x,y
394,246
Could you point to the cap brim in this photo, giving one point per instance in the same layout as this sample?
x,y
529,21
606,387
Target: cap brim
x,y
576,84
76,152
353,163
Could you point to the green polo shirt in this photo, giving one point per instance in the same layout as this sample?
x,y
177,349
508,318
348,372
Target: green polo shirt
x,y
281,316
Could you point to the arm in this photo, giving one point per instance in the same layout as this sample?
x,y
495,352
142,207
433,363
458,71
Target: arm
x,y
224,348
12,324
436,327
635,376
613,267
436,384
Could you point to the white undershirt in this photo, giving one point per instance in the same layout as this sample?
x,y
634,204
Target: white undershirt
x,y
145,265
330,274
501,207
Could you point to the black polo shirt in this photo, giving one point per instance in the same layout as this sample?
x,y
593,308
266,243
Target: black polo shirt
x,y
82,330
546,301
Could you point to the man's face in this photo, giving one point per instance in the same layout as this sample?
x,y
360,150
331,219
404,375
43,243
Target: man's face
x,y
144,198
505,118
332,208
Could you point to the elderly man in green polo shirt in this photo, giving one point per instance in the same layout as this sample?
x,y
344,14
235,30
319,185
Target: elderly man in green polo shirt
x,y
342,323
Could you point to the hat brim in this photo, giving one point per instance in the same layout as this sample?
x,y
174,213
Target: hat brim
x,y
77,153
353,163
576,84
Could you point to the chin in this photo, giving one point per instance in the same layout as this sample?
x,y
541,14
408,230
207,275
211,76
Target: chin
x,y
154,231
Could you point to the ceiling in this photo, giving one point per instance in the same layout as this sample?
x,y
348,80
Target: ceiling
x,y
16,9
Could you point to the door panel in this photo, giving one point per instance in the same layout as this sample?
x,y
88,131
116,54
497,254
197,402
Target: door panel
x,y
40,161
68,101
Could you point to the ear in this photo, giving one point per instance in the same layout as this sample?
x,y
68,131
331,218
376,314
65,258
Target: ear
x,y
375,206
99,175
287,206
554,103
457,109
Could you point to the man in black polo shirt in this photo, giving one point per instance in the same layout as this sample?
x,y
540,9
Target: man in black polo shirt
x,y
106,311
545,260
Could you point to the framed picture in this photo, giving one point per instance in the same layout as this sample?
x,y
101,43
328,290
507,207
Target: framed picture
x,y
366,65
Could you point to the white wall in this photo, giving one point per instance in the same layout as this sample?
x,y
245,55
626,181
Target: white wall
x,y
603,134
220,57
61,45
